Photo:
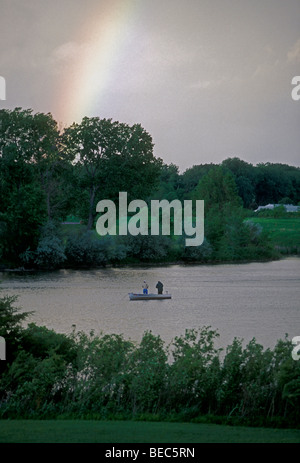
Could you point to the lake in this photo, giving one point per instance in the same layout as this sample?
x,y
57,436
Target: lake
x,y
260,300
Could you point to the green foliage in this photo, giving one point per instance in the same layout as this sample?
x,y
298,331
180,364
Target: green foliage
x,y
50,253
97,382
21,215
230,237
265,183
283,233
244,174
170,185
195,372
11,328
111,157
146,247
78,375
10,317
191,177
47,174
41,342
37,386
218,188
201,253
50,250
148,371
29,155
241,240
86,249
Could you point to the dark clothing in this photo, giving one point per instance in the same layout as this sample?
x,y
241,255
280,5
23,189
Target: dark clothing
x,y
159,287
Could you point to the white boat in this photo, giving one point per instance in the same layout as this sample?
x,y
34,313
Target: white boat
x,y
145,297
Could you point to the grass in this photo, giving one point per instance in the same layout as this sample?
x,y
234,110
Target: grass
x,y
284,232
80,431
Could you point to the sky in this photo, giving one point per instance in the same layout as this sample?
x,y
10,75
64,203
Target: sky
x,y
208,79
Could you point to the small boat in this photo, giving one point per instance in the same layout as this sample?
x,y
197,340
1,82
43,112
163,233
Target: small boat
x,y
145,297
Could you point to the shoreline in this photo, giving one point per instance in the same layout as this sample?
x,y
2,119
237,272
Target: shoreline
x,y
148,264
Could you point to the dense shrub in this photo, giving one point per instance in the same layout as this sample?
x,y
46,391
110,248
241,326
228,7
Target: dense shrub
x,y
86,249
147,247
82,376
49,253
201,253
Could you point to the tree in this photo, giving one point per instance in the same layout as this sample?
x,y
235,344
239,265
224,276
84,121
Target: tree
x,y
244,174
111,157
219,191
147,248
148,369
275,182
31,161
170,184
192,176
33,140
195,372
11,329
230,237
218,188
50,250
22,213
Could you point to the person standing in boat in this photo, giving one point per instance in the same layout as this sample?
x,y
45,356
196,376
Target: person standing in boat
x,y
159,287
145,287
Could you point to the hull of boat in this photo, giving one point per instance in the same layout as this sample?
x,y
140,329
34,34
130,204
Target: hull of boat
x,y
145,297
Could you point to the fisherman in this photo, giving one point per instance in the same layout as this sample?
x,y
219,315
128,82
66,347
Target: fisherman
x,y
145,287
159,287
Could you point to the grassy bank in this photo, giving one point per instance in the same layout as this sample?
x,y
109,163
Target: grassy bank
x,y
284,233
77,431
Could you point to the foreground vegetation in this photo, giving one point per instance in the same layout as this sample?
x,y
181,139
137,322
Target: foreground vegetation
x,y
49,376
81,431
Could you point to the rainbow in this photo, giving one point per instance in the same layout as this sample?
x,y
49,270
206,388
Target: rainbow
x,y
100,46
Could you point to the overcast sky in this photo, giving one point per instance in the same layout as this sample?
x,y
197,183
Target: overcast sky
x,y
208,79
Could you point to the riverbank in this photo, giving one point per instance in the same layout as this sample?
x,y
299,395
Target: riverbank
x,y
143,264
283,240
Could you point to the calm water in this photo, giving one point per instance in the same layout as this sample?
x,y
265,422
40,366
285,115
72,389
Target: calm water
x,y
260,300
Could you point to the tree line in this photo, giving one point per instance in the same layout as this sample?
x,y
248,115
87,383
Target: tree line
x,y
48,174
265,183
48,375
